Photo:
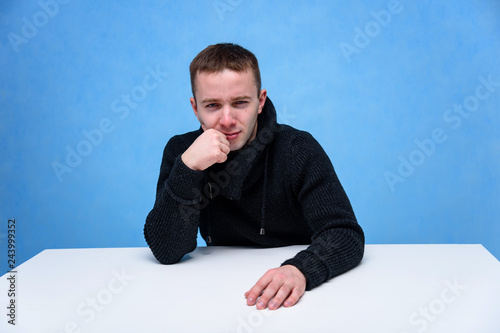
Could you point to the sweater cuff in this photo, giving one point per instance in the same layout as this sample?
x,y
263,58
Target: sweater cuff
x,y
314,270
184,183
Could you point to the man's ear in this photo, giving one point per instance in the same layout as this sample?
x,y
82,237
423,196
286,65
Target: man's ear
x,y
194,106
195,110
262,99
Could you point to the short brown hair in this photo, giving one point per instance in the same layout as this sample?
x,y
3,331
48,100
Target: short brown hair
x,y
218,57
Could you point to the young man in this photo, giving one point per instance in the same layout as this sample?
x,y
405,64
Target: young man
x,y
243,179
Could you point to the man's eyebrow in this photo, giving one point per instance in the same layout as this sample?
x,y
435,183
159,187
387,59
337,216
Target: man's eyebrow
x,y
239,98
209,100
215,100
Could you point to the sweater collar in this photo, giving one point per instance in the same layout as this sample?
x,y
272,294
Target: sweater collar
x,y
231,175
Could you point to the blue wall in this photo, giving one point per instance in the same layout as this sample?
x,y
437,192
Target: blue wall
x,y
396,92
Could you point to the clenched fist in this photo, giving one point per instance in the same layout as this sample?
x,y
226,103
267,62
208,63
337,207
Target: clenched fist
x,y
209,148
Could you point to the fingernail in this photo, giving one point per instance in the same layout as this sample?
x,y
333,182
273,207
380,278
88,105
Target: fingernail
x,y
260,305
287,304
272,305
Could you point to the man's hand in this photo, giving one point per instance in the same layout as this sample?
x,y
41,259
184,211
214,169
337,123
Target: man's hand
x,y
282,285
209,148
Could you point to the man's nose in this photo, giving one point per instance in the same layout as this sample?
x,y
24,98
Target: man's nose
x,y
227,118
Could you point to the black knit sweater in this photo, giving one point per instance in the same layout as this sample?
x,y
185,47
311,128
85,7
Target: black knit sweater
x,y
279,190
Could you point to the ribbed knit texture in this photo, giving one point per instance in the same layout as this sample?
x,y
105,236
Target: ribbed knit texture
x,y
298,199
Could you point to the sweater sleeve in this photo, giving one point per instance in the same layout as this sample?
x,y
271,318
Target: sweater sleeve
x,y
171,227
337,243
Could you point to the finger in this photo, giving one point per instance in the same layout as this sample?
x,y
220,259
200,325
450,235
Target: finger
x,y
293,298
248,292
253,294
219,135
224,140
257,289
225,148
222,158
280,297
267,295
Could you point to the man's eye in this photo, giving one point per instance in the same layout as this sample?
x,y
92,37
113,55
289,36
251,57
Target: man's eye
x,y
241,103
211,106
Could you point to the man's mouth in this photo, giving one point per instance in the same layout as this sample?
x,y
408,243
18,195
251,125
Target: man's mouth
x,y
231,136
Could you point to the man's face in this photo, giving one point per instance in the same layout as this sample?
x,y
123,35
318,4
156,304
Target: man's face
x,y
228,102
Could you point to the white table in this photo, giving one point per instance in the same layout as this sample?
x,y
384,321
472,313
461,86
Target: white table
x,y
396,288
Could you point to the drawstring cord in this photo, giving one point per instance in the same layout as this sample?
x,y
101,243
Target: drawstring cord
x,y
209,229
263,208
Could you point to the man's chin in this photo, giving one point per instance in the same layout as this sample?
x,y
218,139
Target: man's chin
x,y
237,146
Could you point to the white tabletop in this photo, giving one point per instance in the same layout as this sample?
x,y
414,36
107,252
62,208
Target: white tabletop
x,y
396,288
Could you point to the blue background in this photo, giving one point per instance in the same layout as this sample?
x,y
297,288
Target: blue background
x,y
367,90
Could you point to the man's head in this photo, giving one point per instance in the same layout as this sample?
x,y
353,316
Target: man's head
x,y
216,58
227,97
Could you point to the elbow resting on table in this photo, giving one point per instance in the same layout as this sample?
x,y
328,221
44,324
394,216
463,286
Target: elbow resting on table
x,y
359,248
168,258
169,261
167,255
164,253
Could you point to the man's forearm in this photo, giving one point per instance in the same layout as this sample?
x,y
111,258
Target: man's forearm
x,y
171,227
169,232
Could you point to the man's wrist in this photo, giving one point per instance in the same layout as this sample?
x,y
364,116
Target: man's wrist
x,y
185,159
184,182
